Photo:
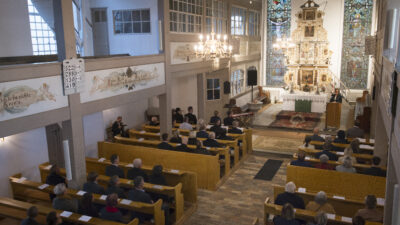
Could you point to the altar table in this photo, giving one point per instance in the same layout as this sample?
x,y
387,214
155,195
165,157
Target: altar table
x,y
300,101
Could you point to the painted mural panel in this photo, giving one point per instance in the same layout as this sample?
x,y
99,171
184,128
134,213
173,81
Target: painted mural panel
x,y
278,26
101,84
183,52
28,97
357,25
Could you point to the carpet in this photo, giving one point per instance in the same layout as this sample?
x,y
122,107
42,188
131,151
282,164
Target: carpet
x,y
296,120
268,171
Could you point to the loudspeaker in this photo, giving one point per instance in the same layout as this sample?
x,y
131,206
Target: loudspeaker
x,y
227,87
251,77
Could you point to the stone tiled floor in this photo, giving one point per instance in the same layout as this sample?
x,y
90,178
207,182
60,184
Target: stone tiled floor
x,y
240,199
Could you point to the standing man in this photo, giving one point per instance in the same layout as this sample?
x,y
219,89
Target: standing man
x,y
191,116
336,97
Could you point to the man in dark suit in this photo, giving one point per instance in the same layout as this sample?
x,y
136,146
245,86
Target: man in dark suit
x,y
55,178
92,186
327,147
137,171
164,144
178,115
336,97
202,133
289,196
235,129
191,116
355,131
301,155
200,150
114,169
229,119
118,127
154,121
216,117
32,214
218,130
138,194
315,136
183,147
211,142
375,170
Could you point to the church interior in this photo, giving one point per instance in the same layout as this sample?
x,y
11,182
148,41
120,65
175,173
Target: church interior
x,y
194,112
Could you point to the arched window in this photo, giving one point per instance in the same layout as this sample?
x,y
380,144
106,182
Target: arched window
x,y
278,26
357,25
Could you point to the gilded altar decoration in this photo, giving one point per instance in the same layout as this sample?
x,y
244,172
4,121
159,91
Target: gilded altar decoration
x,y
308,55
111,82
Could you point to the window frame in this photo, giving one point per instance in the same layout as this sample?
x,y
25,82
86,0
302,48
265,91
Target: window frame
x,y
180,11
216,23
132,21
255,25
213,89
233,27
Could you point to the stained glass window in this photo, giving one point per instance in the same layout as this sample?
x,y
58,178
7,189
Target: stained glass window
x,y
237,82
278,26
357,25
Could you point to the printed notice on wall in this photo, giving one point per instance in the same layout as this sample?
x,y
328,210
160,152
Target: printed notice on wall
x,y
73,72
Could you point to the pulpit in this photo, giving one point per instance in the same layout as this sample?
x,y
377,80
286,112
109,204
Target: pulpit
x,y
333,112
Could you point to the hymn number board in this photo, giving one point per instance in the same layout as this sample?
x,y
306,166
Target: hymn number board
x,y
73,72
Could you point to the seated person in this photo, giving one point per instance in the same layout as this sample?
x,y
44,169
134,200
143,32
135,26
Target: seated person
x,y
164,143
324,163
358,220
186,125
341,137
111,212
62,201
316,137
202,133
91,185
355,145
289,196
211,142
235,129
346,167
183,147
218,130
214,118
86,206
154,121
370,213
175,137
157,176
306,144
114,169
192,138
286,217
137,170
118,127
178,115
301,155
55,178
229,119
348,153
191,116
320,219
355,131
200,150
320,204
113,187
138,194
375,170
32,213
326,151
53,218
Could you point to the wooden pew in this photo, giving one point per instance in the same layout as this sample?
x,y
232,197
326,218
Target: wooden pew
x,y
26,190
359,167
154,144
344,207
349,185
175,192
156,136
17,210
206,166
240,137
271,209
368,149
363,157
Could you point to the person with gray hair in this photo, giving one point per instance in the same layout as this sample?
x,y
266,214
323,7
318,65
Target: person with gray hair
x,y
63,201
370,213
137,170
320,204
290,196
113,187
324,159
348,152
287,216
320,219
346,167
211,142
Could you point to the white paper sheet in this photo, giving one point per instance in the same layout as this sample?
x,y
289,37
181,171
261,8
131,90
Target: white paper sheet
x,y
140,139
174,171
339,197
48,167
22,179
66,214
85,218
367,147
129,165
126,201
380,201
307,158
143,131
157,187
301,190
43,186
103,197
81,192
101,160
347,219
331,216
339,153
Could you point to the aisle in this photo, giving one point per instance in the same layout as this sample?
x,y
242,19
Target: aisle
x,y
240,200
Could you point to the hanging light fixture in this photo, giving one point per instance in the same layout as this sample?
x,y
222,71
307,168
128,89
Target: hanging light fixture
x,y
213,46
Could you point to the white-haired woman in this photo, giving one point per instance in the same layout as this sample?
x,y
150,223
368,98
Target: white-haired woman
x,y
346,167
63,201
320,204
348,152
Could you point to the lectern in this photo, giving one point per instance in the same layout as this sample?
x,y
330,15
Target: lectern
x,y
333,111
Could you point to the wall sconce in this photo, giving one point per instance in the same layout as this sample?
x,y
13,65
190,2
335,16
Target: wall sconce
x,y
2,140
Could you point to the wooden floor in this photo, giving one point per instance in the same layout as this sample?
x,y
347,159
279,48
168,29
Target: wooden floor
x,y
240,199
